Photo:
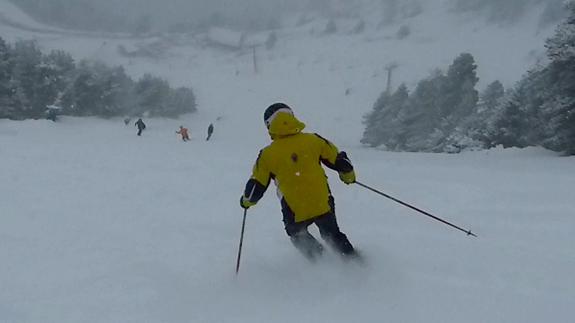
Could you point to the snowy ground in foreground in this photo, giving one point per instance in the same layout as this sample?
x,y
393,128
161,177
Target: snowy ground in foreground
x,y
99,225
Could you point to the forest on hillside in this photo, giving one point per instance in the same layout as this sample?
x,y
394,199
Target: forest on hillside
x,y
446,113
36,85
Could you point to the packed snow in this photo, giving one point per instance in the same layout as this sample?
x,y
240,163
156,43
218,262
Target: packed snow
x,y
100,225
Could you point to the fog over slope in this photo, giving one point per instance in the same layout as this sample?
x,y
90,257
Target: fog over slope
x,y
125,15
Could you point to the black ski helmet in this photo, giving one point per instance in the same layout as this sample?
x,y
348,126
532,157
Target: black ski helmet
x,y
272,109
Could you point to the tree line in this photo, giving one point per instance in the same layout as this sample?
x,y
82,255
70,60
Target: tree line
x,y
446,113
31,81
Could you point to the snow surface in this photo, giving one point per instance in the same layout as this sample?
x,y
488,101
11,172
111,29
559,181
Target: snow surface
x,y
100,225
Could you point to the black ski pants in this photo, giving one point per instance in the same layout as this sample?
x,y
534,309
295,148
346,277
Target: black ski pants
x,y
328,229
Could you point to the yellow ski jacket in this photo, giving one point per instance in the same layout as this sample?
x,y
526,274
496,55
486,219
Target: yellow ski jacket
x,y
293,160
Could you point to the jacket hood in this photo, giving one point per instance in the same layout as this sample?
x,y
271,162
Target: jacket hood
x,y
285,124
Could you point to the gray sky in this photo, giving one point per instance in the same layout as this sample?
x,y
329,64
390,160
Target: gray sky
x,y
168,11
254,13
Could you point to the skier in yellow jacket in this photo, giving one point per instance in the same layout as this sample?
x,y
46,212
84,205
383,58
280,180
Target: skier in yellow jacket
x,y
293,160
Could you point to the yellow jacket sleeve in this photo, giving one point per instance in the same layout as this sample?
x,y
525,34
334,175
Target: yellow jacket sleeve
x,y
336,160
260,171
328,152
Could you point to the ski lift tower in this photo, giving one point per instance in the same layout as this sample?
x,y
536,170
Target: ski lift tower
x,y
389,68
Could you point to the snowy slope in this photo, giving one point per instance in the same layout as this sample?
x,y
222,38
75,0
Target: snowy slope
x,y
99,225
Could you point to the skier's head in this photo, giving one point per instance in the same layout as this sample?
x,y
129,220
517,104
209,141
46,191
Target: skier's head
x,y
273,110
280,121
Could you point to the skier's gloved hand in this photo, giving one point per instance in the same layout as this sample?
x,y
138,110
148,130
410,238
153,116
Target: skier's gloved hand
x,y
348,178
246,203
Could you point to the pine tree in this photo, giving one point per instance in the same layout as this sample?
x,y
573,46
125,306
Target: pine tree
x,y
181,100
371,132
458,95
101,90
456,102
472,133
511,124
421,119
491,96
28,80
6,92
383,123
559,108
389,122
82,97
152,95
35,80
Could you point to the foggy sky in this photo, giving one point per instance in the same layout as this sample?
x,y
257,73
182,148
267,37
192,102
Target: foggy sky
x,y
260,13
168,11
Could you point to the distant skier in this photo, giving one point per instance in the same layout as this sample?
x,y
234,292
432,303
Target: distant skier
x,y
52,114
127,121
210,131
292,160
141,126
184,133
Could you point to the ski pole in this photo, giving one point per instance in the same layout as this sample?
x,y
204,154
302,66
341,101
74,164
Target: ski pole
x,y
241,242
469,233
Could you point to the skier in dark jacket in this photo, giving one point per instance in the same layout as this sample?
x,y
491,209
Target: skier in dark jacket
x,y
293,161
210,131
141,126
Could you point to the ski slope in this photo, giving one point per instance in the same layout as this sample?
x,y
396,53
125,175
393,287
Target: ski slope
x,y
99,225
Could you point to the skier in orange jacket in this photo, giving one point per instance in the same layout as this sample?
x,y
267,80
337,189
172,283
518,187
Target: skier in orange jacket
x,y
184,132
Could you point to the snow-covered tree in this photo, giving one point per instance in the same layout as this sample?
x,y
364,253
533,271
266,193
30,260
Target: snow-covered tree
x,y
371,132
390,120
383,123
6,104
559,108
33,81
421,119
472,132
152,94
458,97
509,127
491,96
98,90
425,120
64,67
181,100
